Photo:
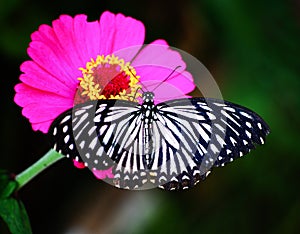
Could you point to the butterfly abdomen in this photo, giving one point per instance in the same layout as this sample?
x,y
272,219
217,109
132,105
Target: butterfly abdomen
x,y
148,144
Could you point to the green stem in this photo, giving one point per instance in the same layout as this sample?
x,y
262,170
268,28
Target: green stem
x,y
47,160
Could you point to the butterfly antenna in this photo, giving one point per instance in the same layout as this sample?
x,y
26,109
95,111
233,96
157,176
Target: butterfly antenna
x,y
166,78
136,93
139,81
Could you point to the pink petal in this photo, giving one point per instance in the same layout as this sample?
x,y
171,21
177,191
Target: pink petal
x,y
26,95
43,126
177,87
40,107
86,37
102,174
66,47
119,32
158,53
155,63
38,78
46,50
36,114
52,77
79,165
54,62
64,31
155,76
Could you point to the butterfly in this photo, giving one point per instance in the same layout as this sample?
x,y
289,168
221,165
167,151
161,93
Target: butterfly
x,y
172,145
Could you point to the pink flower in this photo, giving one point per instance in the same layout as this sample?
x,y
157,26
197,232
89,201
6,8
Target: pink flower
x,y
75,60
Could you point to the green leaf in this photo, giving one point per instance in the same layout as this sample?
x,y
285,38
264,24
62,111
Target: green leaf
x,y
7,184
15,216
12,211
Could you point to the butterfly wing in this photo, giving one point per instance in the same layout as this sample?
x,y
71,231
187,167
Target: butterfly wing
x,y
103,134
88,131
193,135
189,137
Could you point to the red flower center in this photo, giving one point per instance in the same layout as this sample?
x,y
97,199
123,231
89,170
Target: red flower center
x,y
107,78
111,80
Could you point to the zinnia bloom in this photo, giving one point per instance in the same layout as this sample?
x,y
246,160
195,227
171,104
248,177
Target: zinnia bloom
x,y
75,60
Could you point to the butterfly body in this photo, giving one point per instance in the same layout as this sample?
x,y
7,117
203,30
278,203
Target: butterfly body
x,y
147,113
172,145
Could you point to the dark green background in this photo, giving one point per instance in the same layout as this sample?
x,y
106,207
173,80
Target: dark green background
x,y
252,49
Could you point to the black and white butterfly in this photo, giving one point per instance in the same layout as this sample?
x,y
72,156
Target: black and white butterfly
x,y
172,145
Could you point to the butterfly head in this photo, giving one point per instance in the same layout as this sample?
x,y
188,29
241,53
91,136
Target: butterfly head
x,y
148,96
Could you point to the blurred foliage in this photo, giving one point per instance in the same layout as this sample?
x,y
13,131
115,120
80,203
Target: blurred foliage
x,y
252,50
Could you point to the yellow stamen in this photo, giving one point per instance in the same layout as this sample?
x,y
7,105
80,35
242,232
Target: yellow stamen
x,y
93,90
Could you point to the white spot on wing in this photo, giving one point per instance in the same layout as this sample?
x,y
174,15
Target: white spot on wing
x,y
259,126
67,138
82,144
101,108
92,130
246,114
232,140
248,134
220,140
97,118
196,172
211,116
100,151
214,148
207,126
174,179
65,128
220,127
65,119
102,129
219,104
79,112
93,143
206,108
229,108
248,124
54,131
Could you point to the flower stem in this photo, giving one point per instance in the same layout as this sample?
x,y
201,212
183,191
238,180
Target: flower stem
x,y
47,160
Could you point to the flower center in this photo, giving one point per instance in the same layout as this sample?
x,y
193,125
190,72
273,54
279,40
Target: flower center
x,y
107,77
